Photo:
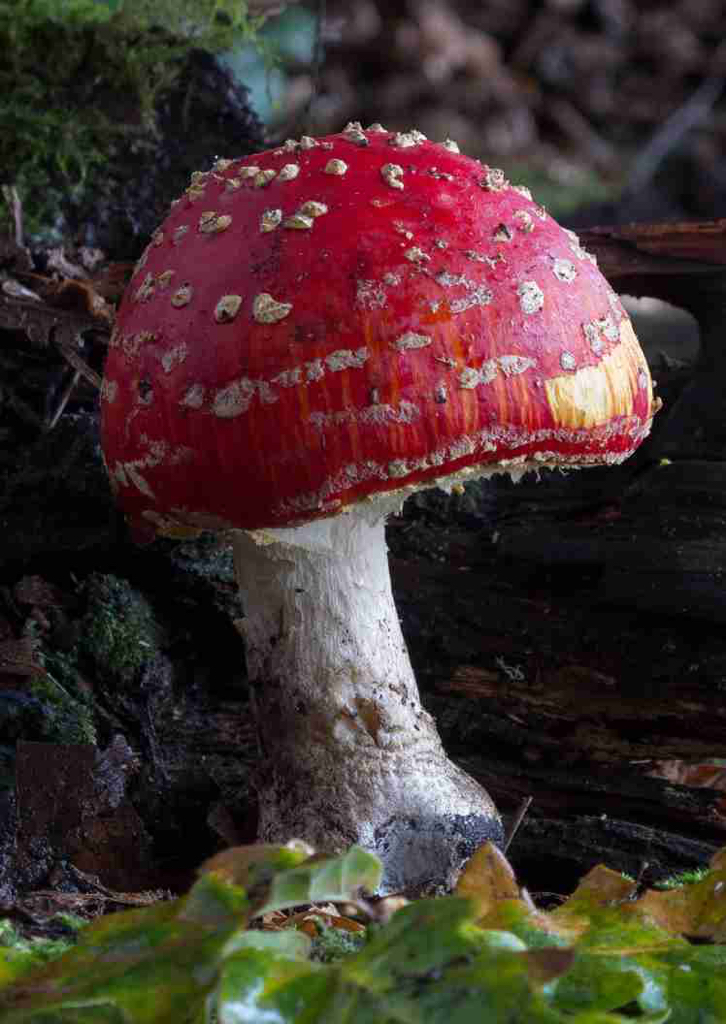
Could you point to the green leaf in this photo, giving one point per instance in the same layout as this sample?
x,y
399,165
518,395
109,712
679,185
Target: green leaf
x,y
318,881
173,950
429,964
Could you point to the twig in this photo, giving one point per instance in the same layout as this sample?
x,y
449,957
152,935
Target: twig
x,y
53,417
516,821
12,198
318,56
672,132
72,357
302,119
570,121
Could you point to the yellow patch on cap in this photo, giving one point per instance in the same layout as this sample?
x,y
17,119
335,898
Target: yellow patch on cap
x,y
595,395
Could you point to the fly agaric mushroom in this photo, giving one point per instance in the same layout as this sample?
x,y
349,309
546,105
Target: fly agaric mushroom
x,y
313,333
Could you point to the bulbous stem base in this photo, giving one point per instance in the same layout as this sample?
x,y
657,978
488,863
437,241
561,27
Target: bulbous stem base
x,y
350,754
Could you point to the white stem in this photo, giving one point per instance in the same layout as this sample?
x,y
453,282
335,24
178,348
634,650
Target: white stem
x,y
351,754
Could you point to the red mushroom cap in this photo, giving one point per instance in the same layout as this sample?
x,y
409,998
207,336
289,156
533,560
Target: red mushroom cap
x,y
356,314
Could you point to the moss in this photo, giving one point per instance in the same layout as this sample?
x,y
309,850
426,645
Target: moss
x,y
688,877
68,718
119,633
78,76
23,954
333,944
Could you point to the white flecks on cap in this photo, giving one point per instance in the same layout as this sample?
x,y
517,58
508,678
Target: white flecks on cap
x,y
270,219
452,146
212,222
313,208
182,296
595,329
235,398
592,336
336,166
179,233
298,222
138,481
577,248
441,393
221,164
479,296
564,270
411,340
509,365
398,468
524,220
308,142
157,237
346,359
174,357
314,370
376,127
193,397
448,280
288,378
267,310
131,344
440,175
616,305
523,191
164,279
391,174
568,361
263,179
288,172
416,255
391,279
494,180
531,297
227,308
405,140
469,377
371,415
512,365
370,295
231,184
502,233
609,328
250,171
146,289
353,132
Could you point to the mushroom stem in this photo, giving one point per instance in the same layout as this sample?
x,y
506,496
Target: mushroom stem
x,y
351,755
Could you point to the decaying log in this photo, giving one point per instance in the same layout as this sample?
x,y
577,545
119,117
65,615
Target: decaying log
x,y
684,264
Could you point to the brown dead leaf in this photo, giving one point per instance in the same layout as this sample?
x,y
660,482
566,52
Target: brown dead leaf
x,y
487,879
696,910
307,921
544,965
601,887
